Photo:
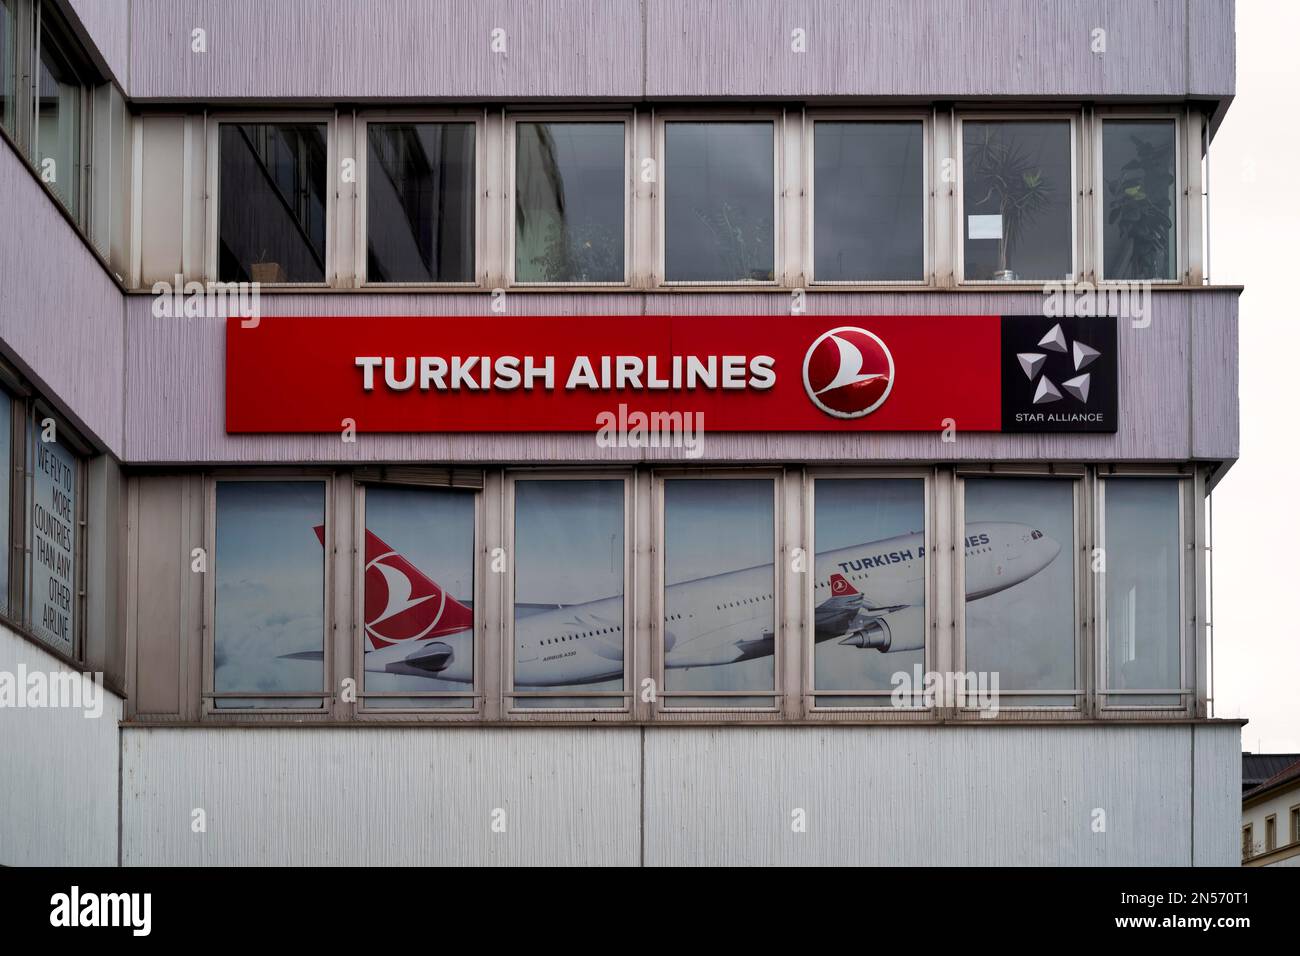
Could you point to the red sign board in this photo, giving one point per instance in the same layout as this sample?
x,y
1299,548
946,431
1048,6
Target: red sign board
x,y
561,373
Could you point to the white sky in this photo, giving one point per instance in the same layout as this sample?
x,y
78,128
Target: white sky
x,y
1255,231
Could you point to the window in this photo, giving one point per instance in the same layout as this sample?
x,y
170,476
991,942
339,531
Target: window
x,y
719,202
1020,620
719,598
1017,199
53,588
58,122
1270,833
1139,173
569,620
418,626
6,496
869,586
1142,550
272,202
570,202
1295,824
8,64
1247,842
869,201
269,594
420,202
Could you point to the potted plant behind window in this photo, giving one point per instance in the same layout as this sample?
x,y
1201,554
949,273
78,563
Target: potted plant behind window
x,y
743,242
265,272
1004,178
1142,222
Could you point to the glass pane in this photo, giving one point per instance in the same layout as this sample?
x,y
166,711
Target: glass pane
x,y
569,202
1020,622
719,200
869,197
869,592
1142,589
270,591
272,202
568,601
8,65
1138,169
719,576
1018,200
419,595
52,558
420,202
6,485
58,122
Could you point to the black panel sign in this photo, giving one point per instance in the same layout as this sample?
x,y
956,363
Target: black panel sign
x,y
1059,374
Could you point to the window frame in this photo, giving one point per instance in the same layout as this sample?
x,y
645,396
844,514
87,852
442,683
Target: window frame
x,y
661,707
474,695
513,119
1293,817
43,26
1099,118
361,206
212,210
809,223
1186,601
1270,833
1081,489
960,118
209,711
809,690
509,695
773,115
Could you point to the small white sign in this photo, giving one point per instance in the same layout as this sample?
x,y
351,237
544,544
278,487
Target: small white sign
x,y
984,227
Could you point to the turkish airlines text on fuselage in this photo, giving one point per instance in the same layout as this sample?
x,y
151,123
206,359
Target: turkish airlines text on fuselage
x,y
508,372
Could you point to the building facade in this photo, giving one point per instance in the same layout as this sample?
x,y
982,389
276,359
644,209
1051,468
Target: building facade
x,y
613,432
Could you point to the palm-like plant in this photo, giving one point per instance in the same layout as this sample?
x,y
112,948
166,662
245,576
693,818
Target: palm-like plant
x,y
1004,177
1138,207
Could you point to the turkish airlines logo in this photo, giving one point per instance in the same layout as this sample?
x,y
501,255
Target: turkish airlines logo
x,y
839,586
848,372
399,605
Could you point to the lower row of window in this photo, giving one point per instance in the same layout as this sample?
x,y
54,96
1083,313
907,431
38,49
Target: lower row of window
x,y
1028,549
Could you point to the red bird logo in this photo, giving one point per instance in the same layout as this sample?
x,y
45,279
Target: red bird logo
x,y
848,372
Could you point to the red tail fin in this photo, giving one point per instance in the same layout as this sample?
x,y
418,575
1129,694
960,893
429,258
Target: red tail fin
x,y
402,602
840,586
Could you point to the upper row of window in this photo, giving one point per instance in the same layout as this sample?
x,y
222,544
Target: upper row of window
x,y
1016,189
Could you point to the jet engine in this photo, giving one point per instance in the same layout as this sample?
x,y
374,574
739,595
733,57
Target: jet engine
x,y
900,631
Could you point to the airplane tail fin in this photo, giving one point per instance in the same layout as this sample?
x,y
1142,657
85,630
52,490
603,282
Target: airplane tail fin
x,y
402,602
840,586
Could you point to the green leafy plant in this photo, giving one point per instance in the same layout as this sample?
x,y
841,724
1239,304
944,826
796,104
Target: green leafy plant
x,y
744,244
1138,207
1004,178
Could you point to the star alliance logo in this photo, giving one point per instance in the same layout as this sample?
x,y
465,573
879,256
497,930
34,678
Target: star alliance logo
x,y
1077,387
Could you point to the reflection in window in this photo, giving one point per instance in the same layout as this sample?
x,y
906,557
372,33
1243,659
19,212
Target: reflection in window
x,y
568,599
569,202
419,595
1017,199
869,196
869,587
53,528
1020,622
6,486
719,590
719,201
269,592
1142,589
420,202
272,202
58,125
8,66
1138,171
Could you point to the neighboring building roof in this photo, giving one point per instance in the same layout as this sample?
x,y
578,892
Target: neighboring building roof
x,y
1289,774
1256,768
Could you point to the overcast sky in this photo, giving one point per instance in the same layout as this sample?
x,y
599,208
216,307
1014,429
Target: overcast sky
x,y
1255,239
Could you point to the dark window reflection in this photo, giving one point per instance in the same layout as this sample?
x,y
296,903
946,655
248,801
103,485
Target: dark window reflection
x,y
718,205
569,202
1139,174
8,79
869,198
420,202
1018,200
58,125
272,202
